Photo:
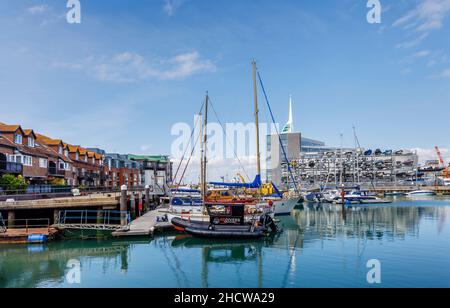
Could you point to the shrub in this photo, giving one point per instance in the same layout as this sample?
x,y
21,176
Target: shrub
x,y
13,183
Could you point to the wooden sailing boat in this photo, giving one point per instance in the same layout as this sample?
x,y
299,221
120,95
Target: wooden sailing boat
x,y
227,220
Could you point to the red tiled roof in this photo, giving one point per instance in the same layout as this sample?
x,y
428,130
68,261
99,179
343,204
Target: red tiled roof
x,y
9,128
48,140
6,142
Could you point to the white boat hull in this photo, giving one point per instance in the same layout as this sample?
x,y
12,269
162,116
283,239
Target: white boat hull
x,y
285,206
421,193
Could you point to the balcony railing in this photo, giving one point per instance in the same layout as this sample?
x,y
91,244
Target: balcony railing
x,y
10,167
53,171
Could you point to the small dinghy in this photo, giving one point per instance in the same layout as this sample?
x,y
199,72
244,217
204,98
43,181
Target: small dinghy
x,y
226,221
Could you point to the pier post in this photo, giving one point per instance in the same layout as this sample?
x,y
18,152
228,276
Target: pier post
x,y
100,216
123,204
133,205
139,204
11,217
147,198
55,216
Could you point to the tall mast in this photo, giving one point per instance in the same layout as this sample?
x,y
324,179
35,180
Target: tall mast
x,y
255,94
205,142
201,154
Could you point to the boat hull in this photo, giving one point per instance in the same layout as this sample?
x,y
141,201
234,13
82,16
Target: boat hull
x,y
206,230
286,206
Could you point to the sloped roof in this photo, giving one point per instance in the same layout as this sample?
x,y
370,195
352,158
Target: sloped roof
x,y
28,132
6,142
48,140
10,128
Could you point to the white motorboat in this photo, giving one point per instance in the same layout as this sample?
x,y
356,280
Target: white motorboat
x,y
421,192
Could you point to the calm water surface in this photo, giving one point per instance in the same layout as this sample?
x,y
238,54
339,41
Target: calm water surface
x,y
318,248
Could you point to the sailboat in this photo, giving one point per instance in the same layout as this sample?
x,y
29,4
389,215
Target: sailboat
x,y
226,220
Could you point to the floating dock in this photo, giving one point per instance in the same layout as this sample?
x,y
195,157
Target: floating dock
x,y
146,225
22,236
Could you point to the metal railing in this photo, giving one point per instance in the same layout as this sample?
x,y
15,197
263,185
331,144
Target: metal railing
x,y
10,167
27,224
94,220
47,192
53,171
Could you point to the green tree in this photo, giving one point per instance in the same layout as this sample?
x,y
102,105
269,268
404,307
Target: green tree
x,y
13,183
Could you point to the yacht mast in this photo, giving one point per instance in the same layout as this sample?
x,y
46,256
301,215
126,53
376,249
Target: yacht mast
x,y
255,94
205,142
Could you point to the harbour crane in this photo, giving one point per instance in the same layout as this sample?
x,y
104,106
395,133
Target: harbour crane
x,y
442,163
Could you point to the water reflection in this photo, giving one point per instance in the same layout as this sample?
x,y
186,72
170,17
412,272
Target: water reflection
x,y
183,261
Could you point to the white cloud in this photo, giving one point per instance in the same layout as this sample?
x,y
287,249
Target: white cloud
x,y
427,15
443,74
430,154
421,54
170,6
413,42
38,9
132,67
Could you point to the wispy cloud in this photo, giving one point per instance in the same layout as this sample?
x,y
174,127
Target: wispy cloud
x,y
430,154
443,74
427,15
38,9
170,6
132,67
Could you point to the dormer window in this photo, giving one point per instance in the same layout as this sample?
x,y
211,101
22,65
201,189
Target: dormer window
x,y
60,150
93,160
18,139
85,158
77,156
31,142
66,153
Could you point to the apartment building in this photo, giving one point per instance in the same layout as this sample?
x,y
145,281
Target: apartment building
x,y
122,171
22,153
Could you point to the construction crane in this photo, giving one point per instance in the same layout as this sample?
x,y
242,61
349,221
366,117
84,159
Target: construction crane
x,y
442,163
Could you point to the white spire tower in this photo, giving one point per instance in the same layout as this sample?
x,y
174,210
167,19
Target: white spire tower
x,y
289,127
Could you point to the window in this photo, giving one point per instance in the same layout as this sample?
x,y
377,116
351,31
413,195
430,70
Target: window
x,y
27,160
43,162
66,153
17,139
85,158
93,160
31,142
77,156
60,150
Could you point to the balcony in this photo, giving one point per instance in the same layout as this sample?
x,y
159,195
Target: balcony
x,y
53,171
10,167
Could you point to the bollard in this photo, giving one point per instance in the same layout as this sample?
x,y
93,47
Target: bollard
x,y
123,205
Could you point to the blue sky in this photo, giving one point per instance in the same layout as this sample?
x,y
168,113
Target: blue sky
x,y
131,69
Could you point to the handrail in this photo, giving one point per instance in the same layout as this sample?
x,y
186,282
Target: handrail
x,y
84,217
28,223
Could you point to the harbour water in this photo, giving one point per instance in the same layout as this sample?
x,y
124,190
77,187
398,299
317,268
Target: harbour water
x,y
319,247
